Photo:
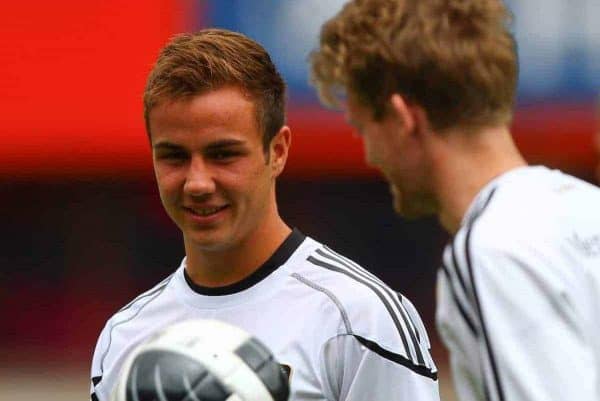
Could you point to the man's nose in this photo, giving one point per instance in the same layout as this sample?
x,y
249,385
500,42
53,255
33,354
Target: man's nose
x,y
199,180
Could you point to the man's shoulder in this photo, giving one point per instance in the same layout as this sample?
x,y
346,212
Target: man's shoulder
x,y
371,310
354,286
140,301
536,199
533,208
145,297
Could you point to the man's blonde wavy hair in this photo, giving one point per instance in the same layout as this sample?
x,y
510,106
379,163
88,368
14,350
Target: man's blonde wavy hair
x,y
455,58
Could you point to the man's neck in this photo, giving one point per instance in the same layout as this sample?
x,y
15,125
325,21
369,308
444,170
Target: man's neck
x,y
221,267
465,163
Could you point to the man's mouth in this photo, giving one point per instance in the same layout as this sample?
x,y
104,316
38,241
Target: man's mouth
x,y
205,211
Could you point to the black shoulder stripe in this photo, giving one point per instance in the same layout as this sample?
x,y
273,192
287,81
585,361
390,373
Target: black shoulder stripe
x,y
488,345
401,299
350,261
154,296
410,327
459,305
356,266
358,270
459,271
399,359
373,288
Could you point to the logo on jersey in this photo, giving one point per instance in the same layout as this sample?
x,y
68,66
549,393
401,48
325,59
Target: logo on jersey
x,y
589,246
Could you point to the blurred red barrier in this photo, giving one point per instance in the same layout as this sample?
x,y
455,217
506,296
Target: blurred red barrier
x,y
71,79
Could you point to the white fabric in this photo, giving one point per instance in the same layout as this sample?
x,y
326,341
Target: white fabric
x,y
525,270
365,375
311,316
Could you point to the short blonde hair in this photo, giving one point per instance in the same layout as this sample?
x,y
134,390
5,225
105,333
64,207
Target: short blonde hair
x,y
455,58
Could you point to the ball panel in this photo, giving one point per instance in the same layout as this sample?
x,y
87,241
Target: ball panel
x,y
253,353
275,380
258,357
170,376
209,388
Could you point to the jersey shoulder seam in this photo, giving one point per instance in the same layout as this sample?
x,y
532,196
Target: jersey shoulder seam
x,y
152,295
334,299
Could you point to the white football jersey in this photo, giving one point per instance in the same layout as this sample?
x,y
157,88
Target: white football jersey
x,y
340,332
519,291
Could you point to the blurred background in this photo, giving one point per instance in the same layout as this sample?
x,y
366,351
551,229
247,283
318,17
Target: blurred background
x,y
83,230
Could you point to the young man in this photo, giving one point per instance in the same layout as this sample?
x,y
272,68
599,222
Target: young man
x,y
430,86
214,110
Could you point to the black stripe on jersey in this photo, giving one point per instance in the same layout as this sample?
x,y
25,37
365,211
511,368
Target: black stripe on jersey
x,y
468,293
155,294
395,296
399,359
148,293
376,290
401,298
460,307
368,276
488,345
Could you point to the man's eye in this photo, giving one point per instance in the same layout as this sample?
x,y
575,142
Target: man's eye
x,y
223,155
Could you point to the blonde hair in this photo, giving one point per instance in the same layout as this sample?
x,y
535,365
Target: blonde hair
x,y
455,58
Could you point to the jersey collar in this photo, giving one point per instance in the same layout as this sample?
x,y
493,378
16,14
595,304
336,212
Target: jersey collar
x,y
279,257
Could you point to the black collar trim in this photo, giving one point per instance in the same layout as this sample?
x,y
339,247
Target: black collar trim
x,y
279,257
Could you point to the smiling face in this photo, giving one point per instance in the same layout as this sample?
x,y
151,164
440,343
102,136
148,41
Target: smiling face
x,y
214,178
399,155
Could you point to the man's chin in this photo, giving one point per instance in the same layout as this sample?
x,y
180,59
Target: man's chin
x,y
208,241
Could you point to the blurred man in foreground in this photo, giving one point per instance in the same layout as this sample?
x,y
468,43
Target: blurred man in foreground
x,y
430,86
215,114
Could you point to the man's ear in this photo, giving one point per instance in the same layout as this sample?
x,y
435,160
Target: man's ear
x,y
403,112
413,117
279,148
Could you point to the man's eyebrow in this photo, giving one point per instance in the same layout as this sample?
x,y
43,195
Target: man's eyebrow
x,y
219,144
224,143
166,146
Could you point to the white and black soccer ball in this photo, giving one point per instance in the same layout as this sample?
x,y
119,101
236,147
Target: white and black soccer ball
x,y
202,360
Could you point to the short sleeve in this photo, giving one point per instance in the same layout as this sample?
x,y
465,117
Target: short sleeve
x,y
354,372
